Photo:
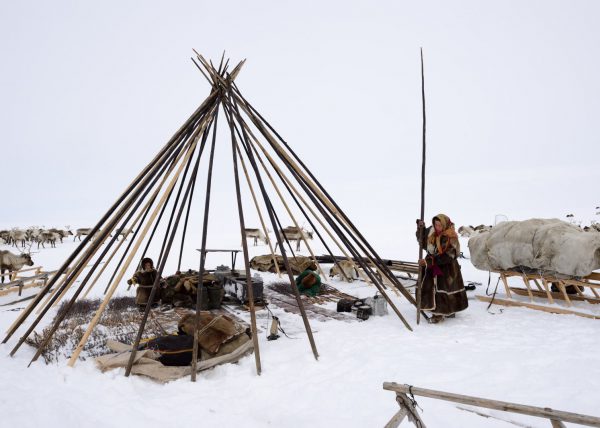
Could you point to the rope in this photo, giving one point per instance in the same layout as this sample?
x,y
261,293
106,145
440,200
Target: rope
x,y
412,398
214,320
493,294
413,411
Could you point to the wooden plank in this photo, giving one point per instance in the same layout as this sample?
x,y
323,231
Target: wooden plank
x,y
549,294
541,412
397,419
561,287
506,287
555,295
25,287
594,276
529,291
553,310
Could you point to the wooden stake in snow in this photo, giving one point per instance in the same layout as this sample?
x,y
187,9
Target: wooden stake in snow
x,y
421,228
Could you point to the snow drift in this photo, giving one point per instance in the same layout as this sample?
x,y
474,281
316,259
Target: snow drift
x,y
550,245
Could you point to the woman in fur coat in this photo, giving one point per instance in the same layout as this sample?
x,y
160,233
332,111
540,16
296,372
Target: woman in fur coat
x,y
442,292
144,278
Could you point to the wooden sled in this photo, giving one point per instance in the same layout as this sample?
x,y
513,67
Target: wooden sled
x,y
550,309
586,289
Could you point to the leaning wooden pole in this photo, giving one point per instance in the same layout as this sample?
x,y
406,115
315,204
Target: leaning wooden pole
x,y
421,229
169,237
168,147
84,282
286,263
288,185
249,286
318,190
260,216
282,199
116,282
200,288
140,218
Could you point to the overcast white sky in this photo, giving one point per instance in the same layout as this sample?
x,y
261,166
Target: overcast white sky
x,y
89,91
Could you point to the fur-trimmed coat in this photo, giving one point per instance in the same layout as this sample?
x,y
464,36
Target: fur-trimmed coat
x,y
443,291
145,280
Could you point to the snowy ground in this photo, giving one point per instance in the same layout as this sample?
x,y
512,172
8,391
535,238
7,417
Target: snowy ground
x,y
510,354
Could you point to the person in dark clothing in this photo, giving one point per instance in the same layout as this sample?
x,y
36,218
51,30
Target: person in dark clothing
x,y
443,291
144,278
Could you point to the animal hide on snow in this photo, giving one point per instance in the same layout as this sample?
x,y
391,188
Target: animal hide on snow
x,y
550,245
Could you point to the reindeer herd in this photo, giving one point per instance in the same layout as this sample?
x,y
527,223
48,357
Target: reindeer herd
x,y
24,239
21,238
290,233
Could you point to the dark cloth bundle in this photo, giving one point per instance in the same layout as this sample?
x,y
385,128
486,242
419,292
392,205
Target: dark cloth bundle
x,y
174,350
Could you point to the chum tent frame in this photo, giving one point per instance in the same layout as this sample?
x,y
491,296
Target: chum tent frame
x,y
264,157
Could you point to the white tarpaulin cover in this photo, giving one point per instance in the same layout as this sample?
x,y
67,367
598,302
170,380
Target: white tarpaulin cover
x,y
549,245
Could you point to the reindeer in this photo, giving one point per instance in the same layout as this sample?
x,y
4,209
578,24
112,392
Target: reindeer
x,y
256,234
345,269
63,233
17,236
466,231
292,233
123,232
48,236
84,232
33,233
12,263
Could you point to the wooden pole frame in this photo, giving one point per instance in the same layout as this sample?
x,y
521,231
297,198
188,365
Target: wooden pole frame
x,y
318,190
171,233
142,177
286,263
142,215
86,257
288,184
301,178
260,216
116,282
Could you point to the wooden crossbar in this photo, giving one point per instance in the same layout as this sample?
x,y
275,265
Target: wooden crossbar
x,y
555,416
550,309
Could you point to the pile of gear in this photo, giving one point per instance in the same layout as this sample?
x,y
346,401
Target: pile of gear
x,y
266,263
217,335
221,340
181,289
546,246
364,308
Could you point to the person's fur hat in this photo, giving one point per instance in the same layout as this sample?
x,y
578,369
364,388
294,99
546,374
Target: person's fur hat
x,y
147,260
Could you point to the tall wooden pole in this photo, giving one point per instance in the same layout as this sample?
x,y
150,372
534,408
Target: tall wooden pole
x,y
200,288
249,285
421,269
279,236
